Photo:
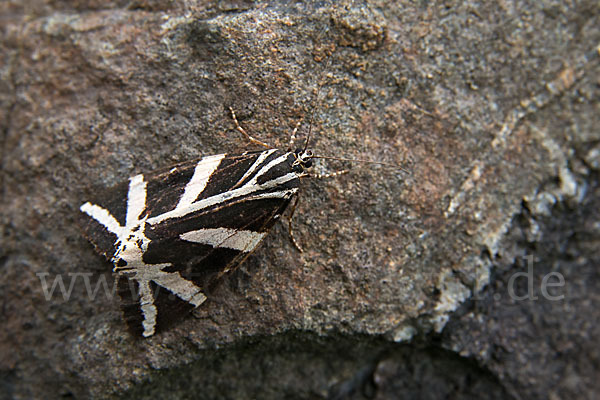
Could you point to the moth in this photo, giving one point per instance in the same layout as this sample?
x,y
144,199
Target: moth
x,y
172,232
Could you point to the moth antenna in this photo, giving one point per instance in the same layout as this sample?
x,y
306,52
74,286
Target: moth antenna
x,y
365,161
315,104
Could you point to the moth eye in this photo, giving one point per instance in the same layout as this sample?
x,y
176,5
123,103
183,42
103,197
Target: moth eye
x,y
308,164
121,263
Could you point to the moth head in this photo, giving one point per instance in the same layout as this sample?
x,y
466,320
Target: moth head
x,y
303,158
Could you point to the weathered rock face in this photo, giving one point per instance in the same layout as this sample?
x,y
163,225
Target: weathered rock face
x,y
492,107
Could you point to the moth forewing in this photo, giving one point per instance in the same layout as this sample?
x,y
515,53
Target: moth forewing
x,y
172,232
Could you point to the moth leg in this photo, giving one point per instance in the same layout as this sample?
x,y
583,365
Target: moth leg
x,y
293,136
239,128
331,175
291,232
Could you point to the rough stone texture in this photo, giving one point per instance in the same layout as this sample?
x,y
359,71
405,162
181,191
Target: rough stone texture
x,y
542,346
492,106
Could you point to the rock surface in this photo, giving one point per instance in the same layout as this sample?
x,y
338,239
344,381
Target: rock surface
x,y
428,284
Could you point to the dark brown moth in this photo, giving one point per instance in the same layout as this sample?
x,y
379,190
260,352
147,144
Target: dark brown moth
x,y
172,232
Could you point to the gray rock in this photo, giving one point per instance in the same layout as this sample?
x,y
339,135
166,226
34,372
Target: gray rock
x,y
403,289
